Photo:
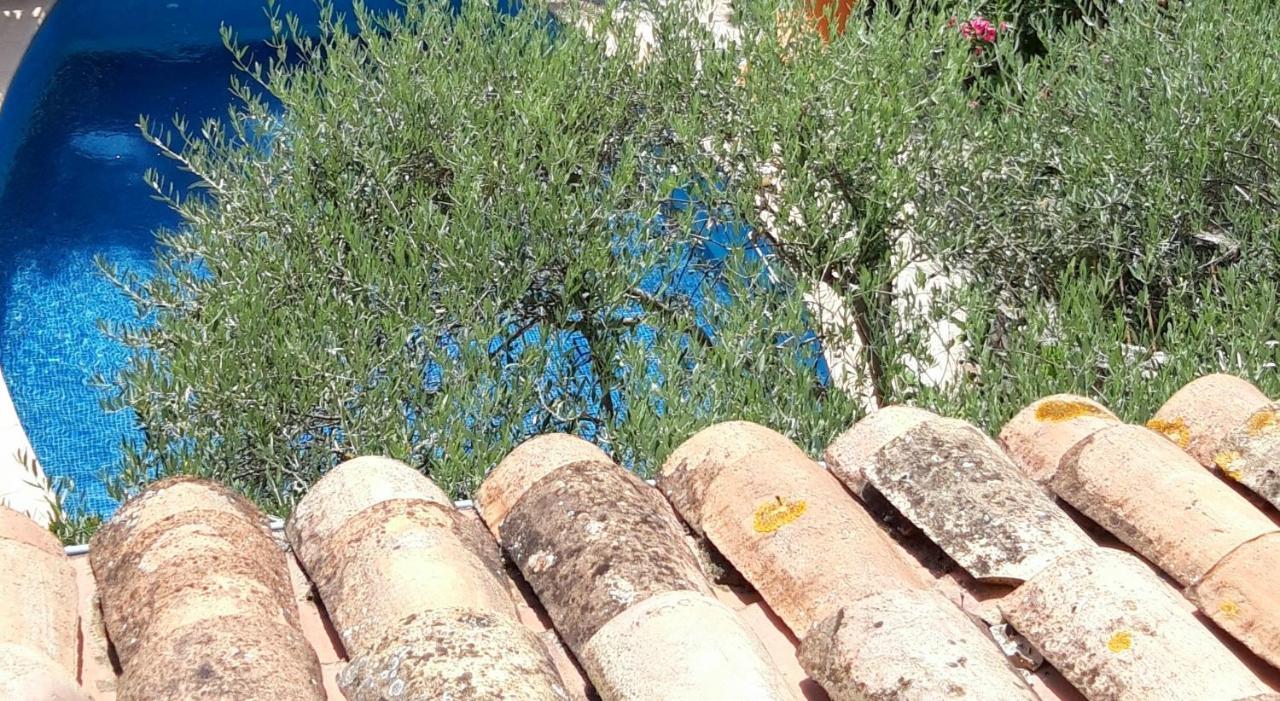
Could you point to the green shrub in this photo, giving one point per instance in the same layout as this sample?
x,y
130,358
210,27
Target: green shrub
x,y
439,184
435,191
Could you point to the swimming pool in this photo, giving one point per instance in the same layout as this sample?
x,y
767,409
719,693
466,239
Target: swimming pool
x,y
72,162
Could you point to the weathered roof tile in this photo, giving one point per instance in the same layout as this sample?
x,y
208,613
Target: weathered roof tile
x,y
39,622
1108,623
421,607
195,595
614,570
828,570
1039,435
1157,500
957,485
1201,414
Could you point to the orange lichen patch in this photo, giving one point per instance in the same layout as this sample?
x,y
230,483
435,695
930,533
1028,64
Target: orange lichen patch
x,y
1225,460
1121,641
1054,410
1229,608
772,515
1174,429
1263,421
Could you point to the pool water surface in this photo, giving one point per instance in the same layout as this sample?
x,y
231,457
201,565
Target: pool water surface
x,y
72,165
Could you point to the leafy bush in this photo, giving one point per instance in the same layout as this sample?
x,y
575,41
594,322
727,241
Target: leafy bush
x,y
447,205
454,231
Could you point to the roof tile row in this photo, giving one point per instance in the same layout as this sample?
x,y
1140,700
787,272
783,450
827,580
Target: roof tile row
x,y
200,600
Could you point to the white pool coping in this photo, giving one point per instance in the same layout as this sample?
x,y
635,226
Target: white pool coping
x,y
20,488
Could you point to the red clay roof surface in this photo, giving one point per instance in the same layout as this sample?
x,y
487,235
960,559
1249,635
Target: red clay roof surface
x,y
1073,557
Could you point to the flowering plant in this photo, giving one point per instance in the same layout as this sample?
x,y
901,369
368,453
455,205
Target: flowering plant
x,y
980,32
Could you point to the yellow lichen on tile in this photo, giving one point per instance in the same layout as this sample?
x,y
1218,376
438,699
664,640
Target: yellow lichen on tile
x,y
1226,461
1174,429
1121,641
1263,421
1055,410
1229,608
774,514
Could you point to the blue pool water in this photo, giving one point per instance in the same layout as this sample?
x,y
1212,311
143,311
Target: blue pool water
x,y
71,188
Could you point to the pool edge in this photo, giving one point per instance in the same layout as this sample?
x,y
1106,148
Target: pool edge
x,y
23,484
19,21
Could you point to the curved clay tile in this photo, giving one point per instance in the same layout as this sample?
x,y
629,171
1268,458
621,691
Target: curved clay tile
x,y
196,599
693,465
954,483
962,490
613,569
39,625
1160,502
866,618
1240,595
1116,631
529,462
27,674
1157,500
341,494
1039,435
1250,454
848,453
1201,414
415,591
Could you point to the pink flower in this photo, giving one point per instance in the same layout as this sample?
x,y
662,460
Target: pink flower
x,y
980,29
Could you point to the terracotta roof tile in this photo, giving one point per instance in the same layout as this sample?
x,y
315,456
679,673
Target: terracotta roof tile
x,y
611,563
1159,501
1199,416
529,462
39,623
1111,626
1118,632
419,612
196,599
1039,435
895,591
955,483
864,615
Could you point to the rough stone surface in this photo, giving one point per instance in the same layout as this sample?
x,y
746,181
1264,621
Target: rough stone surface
x,y
593,540
1157,500
849,453
1201,414
1117,632
877,649
787,525
1250,454
959,487
1039,435
700,651
348,489
521,468
398,558
689,470
454,653
38,600
196,599
28,675
1241,596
